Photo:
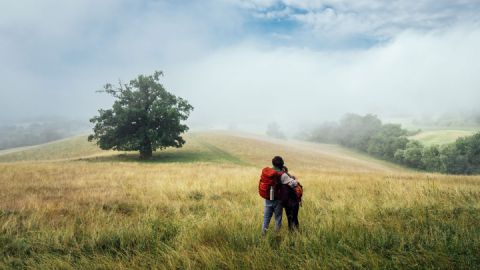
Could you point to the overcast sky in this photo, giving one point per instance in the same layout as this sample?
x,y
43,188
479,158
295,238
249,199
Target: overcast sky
x,y
251,61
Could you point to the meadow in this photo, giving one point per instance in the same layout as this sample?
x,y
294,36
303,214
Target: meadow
x,y
430,137
68,205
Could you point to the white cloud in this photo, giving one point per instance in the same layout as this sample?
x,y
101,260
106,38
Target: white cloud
x,y
55,55
375,19
415,73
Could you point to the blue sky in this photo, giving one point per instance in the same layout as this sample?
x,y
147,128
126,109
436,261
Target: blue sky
x,y
323,57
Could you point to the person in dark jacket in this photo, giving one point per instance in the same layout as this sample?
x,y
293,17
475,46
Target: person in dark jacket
x,y
275,206
290,202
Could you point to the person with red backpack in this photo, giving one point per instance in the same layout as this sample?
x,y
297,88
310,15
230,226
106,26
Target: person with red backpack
x,y
269,187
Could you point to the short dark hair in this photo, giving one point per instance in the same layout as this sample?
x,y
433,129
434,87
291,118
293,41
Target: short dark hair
x,y
277,162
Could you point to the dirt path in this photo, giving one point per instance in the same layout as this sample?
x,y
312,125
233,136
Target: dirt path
x,y
18,149
328,151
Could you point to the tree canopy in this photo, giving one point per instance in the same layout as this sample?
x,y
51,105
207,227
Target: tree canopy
x,y
144,117
390,142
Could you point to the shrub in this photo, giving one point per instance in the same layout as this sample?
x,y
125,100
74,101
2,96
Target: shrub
x,y
453,161
413,154
431,158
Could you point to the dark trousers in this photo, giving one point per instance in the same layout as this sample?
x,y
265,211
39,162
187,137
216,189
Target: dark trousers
x,y
291,210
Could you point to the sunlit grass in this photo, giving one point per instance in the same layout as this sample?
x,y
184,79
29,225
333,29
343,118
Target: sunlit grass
x,y
179,212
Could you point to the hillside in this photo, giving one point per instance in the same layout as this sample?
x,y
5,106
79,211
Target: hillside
x,y
244,149
430,137
68,205
74,147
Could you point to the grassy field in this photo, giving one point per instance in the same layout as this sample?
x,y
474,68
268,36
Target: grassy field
x,y
70,206
70,148
440,137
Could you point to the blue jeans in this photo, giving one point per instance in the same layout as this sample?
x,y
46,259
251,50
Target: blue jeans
x,y
272,207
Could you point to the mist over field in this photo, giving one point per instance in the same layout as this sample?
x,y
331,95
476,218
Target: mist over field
x,y
165,134
244,63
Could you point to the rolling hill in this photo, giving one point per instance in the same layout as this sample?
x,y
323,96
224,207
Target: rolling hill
x,y
69,205
240,148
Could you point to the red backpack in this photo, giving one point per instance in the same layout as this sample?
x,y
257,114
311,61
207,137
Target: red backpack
x,y
269,178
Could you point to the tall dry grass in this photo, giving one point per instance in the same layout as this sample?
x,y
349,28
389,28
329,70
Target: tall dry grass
x,y
114,213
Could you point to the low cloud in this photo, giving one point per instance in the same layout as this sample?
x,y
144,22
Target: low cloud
x,y
232,67
414,74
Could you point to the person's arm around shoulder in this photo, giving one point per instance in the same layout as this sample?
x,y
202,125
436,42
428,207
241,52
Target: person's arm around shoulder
x,y
287,180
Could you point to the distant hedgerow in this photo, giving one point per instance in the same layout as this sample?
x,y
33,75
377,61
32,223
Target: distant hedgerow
x,y
390,142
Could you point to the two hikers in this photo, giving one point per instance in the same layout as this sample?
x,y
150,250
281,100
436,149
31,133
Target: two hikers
x,y
280,190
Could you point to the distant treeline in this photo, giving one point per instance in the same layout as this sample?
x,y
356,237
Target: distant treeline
x,y
26,134
390,142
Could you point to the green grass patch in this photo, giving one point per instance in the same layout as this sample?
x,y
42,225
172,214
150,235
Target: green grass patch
x,y
440,136
74,147
196,150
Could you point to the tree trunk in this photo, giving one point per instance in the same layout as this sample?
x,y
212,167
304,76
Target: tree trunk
x,y
146,151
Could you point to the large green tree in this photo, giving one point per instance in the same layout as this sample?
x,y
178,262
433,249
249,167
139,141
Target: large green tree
x,y
144,117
